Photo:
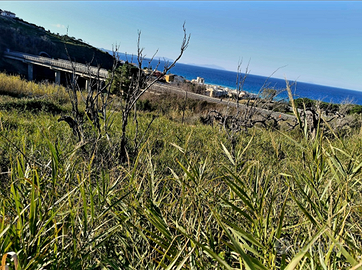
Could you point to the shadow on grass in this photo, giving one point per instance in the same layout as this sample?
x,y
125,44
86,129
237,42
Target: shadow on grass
x,y
32,105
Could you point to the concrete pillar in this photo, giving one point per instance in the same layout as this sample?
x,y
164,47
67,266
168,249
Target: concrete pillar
x,y
57,77
87,84
30,72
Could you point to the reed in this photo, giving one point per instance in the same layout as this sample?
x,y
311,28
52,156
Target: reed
x,y
279,201
16,86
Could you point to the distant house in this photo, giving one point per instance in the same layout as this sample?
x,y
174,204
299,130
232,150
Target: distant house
x,y
7,14
199,80
216,91
237,93
169,77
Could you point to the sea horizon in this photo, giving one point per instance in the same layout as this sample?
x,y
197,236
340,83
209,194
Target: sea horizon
x,y
290,81
254,83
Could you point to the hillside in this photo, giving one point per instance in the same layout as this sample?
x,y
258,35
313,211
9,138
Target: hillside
x,y
186,198
19,35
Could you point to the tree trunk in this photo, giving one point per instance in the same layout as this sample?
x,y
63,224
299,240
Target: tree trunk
x,y
123,151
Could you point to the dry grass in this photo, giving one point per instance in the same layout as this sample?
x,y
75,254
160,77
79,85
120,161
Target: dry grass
x,y
15,86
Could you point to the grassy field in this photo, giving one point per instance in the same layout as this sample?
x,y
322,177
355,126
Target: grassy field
x,y
282,201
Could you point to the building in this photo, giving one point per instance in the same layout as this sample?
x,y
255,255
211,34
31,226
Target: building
x,y
7,14
236,93
217,91
169,77
198,80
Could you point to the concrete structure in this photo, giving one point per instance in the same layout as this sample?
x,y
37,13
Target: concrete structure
x,y
57,77
30,72
169,77
235,93
59,65
217,91
198,80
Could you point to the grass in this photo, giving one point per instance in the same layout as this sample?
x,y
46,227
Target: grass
x,y
282,201
14,86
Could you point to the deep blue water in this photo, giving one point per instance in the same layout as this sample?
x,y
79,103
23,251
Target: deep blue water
x,y
254,83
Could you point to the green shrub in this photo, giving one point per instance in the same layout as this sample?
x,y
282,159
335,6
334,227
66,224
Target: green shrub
x,y
145,105
308,103
32,105
355,109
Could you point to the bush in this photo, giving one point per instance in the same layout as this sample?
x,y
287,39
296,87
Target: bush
x,y
356,109
280,201
309,103
32,105
145,105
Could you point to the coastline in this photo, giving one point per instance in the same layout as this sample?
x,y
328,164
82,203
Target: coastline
x,y
254,83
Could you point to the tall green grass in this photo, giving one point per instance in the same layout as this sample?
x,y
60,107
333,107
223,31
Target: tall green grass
x,y
15,86
281,201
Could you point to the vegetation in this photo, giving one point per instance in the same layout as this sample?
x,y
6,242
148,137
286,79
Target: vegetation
x,y
18,35
281,200
348,107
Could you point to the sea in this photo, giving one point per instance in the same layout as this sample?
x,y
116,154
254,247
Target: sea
x,y
254,83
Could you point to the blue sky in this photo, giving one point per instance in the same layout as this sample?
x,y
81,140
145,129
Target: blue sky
x,y
314,42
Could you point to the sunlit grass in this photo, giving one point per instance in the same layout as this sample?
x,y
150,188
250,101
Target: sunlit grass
x,y
282,201
15,86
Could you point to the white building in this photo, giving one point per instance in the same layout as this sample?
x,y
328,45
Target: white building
x,y
216,91
7,14
236,93
198,80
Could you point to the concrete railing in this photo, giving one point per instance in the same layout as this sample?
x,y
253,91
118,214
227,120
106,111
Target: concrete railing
x,y
85,70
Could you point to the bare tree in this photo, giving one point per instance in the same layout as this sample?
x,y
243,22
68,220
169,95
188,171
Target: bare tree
x,y
248,110
346,106
140,83
312,119
97,98
240,80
